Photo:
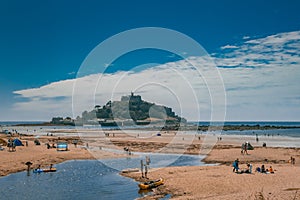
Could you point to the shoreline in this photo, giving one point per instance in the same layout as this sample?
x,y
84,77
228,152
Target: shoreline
x,y
242,126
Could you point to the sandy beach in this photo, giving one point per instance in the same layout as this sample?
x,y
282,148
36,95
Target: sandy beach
x,y
14,161
196,182
219,182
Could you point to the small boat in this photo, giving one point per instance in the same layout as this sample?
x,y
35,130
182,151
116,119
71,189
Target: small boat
x,y
49,170
151,184
44,170
130,170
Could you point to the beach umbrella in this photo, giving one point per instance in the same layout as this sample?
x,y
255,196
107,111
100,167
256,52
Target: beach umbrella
x,y
28,165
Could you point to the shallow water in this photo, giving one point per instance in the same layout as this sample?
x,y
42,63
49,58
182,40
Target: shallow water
x,y
61,130
85,179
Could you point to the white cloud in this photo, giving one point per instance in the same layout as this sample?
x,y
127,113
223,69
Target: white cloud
x,y
281,38
176,84
229,47
261,78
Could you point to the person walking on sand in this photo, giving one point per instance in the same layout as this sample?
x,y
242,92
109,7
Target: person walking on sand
x,y
246,148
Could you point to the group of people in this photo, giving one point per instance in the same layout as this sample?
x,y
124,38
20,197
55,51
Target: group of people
x,y
263,169
126,149
146,166
39,167
245,147
292,160
237,169
50,146
248,170
11,145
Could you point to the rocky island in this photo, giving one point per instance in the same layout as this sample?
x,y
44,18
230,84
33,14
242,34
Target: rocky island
x,y
130,110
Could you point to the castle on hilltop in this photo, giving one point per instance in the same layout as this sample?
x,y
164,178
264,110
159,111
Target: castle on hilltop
x,y
131,110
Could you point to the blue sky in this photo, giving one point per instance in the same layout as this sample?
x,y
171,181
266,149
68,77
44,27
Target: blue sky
x,y
46,41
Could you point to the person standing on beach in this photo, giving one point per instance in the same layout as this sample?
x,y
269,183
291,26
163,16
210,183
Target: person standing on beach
x,y
146,171
14,146
142,168
235,165
148,161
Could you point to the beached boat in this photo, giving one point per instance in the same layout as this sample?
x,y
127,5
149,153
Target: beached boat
x,y
44,170
130,170
151,184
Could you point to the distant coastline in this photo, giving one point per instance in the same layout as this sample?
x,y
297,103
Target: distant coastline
x,y
202,126
21,123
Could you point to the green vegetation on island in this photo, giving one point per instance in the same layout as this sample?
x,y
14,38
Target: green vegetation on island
x,y
130,110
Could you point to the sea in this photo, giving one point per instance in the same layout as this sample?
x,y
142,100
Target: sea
x,y
250,123
290,132
11,123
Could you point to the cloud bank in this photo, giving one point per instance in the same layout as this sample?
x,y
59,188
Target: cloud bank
x,y
261,78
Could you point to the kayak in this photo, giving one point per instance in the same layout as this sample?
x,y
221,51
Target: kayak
x,y
130,170
44,170
151,184
49,170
